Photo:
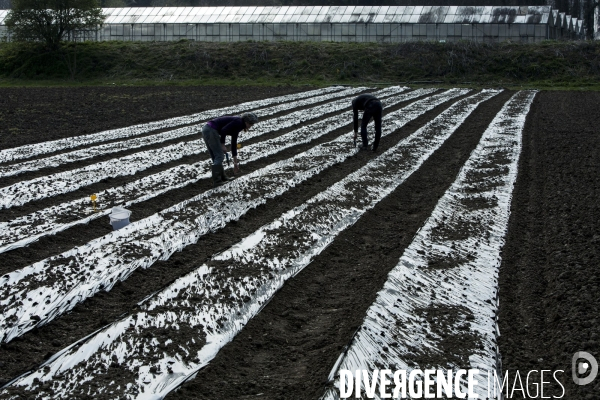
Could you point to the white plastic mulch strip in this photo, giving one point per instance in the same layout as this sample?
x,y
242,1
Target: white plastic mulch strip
x,y
64,182
32,150
438,307
180,329
40,292
108,148
26,229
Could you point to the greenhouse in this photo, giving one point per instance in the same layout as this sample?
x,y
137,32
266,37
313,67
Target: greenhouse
x,y
334,23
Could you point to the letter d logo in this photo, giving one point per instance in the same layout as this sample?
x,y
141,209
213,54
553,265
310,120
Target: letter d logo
x,y
580,367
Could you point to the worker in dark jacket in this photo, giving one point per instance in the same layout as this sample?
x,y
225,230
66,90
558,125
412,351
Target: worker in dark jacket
x,y
372,109
214,133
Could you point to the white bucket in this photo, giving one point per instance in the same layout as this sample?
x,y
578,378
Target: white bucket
x,y
119,217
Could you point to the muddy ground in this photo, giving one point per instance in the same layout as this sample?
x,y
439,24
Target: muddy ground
x,y
549,278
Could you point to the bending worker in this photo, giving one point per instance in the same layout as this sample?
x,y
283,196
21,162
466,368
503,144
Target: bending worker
x,y
214,133
372,109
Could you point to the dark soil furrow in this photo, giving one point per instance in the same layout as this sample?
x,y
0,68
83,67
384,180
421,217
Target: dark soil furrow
x,y
104,307
549,276
291,346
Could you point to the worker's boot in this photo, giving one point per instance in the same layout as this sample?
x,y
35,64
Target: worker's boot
x,y
224,177
216,175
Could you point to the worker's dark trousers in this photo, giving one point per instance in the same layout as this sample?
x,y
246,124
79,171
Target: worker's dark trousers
x,y
374,110
213,143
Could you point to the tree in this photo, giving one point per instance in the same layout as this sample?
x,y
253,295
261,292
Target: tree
x,y
49,21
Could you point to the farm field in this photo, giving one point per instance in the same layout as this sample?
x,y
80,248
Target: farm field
x,y
478,214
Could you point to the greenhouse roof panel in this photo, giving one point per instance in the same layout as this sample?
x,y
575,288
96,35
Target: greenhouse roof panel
x,y
291,19
232,10
119,12
345,18
336,18
228,18
417,10
212,19
475,18
190,10
168,11
204,18
460,19
131,19
402,19
326,18
379,18
245,19
383,10
465,10
117,19
545,18
533,18
154,10
147,19
538,9
388,18
262,18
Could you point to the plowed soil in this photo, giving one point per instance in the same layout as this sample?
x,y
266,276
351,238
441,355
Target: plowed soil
x,y
549,277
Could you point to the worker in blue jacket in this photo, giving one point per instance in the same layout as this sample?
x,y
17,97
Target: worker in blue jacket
x,y
214,134
372,109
